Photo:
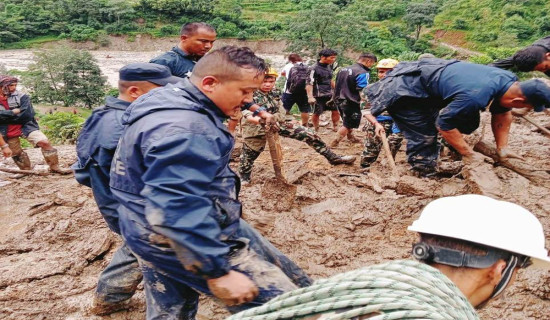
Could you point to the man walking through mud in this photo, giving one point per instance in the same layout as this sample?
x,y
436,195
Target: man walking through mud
x,y
179,209
254,138
196,39
319,88
446,96
349,83
95,148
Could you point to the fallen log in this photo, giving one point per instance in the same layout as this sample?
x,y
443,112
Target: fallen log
x,y
537,176
17,171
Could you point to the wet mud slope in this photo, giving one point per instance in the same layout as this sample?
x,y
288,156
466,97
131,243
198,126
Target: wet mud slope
x,y
54,243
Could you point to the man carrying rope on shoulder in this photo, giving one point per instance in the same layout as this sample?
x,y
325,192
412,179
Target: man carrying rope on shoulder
x,y
463,264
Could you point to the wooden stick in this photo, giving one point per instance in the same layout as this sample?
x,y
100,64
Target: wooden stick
x,y
17,171
388,153
538,125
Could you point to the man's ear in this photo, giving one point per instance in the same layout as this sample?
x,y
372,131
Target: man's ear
x,y
495,274
134,92
547,55
184,37
209,84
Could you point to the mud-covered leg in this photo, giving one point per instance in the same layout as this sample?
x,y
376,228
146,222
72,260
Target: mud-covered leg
x,y
271,254
314,141
117,283
395,140
20,157
167,298
270,280
248,156
372,146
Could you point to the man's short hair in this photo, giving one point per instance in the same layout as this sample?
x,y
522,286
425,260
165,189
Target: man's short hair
x,y
225,63
454,244
327,53
367,55
294,57
528,58
191,28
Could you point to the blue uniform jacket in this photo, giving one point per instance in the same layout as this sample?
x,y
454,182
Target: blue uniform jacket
x,y
95,149
461,90
171,175
179,62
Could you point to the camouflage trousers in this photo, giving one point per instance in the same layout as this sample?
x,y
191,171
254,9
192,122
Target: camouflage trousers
x,y
373,144
253,146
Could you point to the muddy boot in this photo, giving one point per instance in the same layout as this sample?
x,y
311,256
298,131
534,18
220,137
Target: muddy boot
x,y
335,159
53,161
100,308
336,141
245,178
353,139
22,161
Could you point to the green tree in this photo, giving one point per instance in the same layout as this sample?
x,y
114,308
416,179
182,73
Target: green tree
x,y
420,14
325,26
66,75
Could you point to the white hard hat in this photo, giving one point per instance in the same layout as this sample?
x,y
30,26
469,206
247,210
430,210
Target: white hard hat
x,y
486,221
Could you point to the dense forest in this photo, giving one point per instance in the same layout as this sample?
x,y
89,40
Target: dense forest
x,y
397,28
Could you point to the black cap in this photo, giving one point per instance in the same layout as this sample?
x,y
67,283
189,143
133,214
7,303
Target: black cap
x,y
151,72
537,92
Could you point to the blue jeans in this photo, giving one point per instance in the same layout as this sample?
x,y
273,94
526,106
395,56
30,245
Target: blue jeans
x,y
416,118
172,292
118,282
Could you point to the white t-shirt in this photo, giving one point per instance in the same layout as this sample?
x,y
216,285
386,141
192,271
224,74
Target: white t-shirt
x,y
286,70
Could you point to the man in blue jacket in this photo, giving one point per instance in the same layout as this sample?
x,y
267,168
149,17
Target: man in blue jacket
x,y
179,209
446,96
196,39
95,148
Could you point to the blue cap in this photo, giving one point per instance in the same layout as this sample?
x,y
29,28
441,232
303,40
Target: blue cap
x,y
537,92
151,72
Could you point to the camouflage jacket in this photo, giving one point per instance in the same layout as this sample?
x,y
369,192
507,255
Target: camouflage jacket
x,y
271,101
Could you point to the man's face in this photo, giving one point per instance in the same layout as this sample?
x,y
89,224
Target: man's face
x,y
12,87
328,60
231,95
382,73
267,84
199,43
545,64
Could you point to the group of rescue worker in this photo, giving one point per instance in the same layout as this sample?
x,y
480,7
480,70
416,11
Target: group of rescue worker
x,y
157,161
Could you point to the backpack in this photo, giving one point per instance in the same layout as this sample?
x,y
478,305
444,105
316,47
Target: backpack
x,y
297,78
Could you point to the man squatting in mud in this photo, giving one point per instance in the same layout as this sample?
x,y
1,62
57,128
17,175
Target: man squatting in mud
x,y
446,96
254,134
95,148
182,219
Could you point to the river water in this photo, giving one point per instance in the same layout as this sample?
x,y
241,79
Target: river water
x,y
109,61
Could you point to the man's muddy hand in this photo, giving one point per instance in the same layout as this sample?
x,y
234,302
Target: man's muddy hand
x,y
233,289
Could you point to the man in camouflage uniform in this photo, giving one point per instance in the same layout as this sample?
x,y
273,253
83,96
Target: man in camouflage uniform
x,y
254,133
382,124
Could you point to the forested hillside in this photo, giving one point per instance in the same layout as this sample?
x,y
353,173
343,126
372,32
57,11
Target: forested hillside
x,y
397,28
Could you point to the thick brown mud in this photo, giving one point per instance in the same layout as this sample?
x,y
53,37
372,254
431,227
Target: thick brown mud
x,y
54,243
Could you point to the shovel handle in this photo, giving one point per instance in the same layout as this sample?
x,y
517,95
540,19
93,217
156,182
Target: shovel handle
x,y
276,154
538,125
388,152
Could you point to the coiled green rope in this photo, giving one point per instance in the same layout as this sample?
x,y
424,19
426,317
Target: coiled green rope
x,y
402,289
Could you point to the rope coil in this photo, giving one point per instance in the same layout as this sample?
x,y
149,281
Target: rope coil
x,y
403,289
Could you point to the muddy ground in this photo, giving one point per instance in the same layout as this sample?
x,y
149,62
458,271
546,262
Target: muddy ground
x,y
54,243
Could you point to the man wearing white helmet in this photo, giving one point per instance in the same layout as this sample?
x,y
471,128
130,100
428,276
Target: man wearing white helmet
x,y
463,264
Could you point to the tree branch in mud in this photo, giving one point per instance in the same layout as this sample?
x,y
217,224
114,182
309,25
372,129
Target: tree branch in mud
x,y
539,177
